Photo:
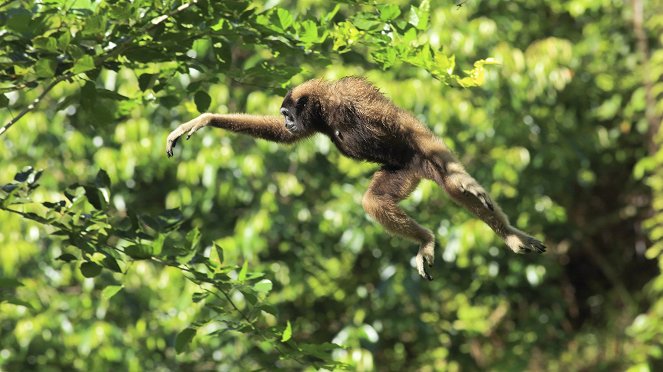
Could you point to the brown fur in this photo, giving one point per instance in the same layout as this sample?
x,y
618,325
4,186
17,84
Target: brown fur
x,y
365,125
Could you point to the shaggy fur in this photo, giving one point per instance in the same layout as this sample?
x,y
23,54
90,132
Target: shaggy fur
x,y
365,125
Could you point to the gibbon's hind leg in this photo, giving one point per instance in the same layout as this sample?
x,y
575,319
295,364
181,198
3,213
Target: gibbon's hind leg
x,y
466,191
387,188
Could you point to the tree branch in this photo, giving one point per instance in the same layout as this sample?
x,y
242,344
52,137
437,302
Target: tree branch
x,y
34,103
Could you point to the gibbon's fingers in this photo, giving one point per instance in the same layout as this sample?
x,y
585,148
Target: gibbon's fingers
x,y
190,127
171,142
191,132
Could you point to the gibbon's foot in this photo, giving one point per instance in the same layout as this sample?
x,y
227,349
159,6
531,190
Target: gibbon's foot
x,y
520,243
425,257
189,128
478,192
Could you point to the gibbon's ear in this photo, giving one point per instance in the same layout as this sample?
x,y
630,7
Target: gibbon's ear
x,y
301,103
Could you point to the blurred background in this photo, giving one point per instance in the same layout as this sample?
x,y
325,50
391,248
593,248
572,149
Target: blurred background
x,y
559,120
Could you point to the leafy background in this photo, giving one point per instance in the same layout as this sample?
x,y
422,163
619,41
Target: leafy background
x,y
240,254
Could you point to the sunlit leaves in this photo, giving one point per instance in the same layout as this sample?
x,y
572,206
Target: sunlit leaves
x,y
110,291
85,63
388,12
242,273
419,15
345,35
264,286
285,18
287,332
45,68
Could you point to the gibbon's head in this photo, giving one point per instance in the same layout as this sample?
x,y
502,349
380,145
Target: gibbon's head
x,y
301,108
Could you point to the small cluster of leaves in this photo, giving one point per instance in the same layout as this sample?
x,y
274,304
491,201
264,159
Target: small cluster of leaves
x,y
389,35
58,41
99,240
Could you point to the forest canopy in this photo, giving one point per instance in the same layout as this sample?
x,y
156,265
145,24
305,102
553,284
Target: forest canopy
x,y
241,254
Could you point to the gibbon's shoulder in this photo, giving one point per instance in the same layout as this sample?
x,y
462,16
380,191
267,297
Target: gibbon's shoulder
x,y
347,84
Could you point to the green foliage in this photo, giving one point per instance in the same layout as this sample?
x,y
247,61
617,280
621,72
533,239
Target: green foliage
x,y
240,254
101,239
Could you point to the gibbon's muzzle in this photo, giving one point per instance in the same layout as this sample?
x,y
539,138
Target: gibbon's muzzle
x,y
289,119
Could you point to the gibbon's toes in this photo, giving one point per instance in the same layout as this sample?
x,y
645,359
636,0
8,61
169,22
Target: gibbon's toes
x,y
425,258
536,245
477,192
525,244
532,245
486,201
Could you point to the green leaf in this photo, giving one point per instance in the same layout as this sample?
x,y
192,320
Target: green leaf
x,y
102,179
219,252
139,252
9,283
242,273
157,245
183,339
110,262
97,257
419,16
23,175
45,68
285,18
388,12
110,291
193,237
85,63
310,32
95,24
64,40
263,286
146,81
365,22
287,332
4,101
199,296
19,20
202,100
90,269
95,197
66,257
46,43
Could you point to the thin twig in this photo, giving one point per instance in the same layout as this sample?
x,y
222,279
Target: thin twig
x,y
34,103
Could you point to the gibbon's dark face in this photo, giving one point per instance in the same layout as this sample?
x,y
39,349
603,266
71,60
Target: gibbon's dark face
x,y
296,112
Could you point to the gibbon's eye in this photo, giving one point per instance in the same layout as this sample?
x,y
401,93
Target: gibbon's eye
x,y
301,102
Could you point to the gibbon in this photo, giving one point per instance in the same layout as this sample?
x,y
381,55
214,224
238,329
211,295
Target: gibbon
x,y
365,125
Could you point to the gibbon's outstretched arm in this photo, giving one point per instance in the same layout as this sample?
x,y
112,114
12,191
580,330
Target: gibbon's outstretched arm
x,y
270,128
365,125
